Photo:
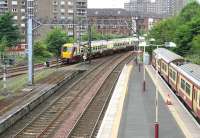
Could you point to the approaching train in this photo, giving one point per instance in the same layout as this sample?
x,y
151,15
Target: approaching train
x,y
73,52
183,77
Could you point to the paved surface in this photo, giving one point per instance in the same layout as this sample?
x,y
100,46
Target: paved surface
x,y
138,115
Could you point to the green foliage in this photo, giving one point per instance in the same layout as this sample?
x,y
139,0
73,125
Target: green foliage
x,y
55,39
8,29
163,31
41,51
191,11
3,44
195,49
183,29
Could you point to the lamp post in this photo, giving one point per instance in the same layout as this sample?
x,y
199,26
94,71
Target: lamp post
x,y
144,73
135,50
156,105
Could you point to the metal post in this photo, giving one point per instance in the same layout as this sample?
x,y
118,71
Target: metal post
x,y
30,41
156,130
4,78
89,42
74,21
156,104
144,82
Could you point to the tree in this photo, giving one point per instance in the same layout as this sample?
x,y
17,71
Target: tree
x,y
41,51
55,39
182,29
191,11
195,49
183,39
3,44
9,30
164,30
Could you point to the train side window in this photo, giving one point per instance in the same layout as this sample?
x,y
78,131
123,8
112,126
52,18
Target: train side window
x,y
174,75
182,84
188,88
159,62
170,73
199,99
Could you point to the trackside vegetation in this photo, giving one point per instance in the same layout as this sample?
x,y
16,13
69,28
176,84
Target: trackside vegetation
x,y
184,30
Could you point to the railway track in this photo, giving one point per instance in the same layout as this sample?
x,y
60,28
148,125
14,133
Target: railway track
x,y
16,71
89,122
45,123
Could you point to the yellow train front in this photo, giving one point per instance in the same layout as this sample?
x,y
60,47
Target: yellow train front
x,y
70,53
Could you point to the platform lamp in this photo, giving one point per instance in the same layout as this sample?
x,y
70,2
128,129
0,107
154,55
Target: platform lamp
x,y
156,124
136,41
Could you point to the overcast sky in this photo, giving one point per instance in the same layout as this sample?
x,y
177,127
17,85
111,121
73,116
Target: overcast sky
x,y
106,3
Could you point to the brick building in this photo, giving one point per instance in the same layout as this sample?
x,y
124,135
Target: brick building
x,y
111,21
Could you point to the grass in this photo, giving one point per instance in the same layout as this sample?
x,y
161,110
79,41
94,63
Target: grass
x,y
17,83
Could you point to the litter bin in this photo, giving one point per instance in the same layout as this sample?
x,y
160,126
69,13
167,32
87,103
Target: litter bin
x,y
11,61
48,63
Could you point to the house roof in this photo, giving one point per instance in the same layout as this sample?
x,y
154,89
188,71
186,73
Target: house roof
x,y
108,12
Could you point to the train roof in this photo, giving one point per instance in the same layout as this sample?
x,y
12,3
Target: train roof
x,y
166,55
101,42
191,71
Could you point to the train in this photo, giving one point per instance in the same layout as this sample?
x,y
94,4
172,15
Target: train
x,y
182,76
74,52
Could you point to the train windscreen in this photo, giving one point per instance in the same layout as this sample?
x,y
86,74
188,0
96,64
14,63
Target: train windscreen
x,y
67,49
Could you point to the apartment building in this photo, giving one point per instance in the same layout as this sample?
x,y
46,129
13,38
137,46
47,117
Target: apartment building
x,y
63,13
48,14
155,8
3,6
81,17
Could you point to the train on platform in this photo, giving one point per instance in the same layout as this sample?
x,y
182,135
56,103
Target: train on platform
x,y
74,52
182,76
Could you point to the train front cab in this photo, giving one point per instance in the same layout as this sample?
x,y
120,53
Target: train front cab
x,y
69,53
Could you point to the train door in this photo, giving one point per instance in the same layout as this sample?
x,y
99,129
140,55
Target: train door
x,y
195,99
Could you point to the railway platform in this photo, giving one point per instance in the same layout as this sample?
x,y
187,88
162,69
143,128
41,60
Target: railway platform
x,y
137,117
